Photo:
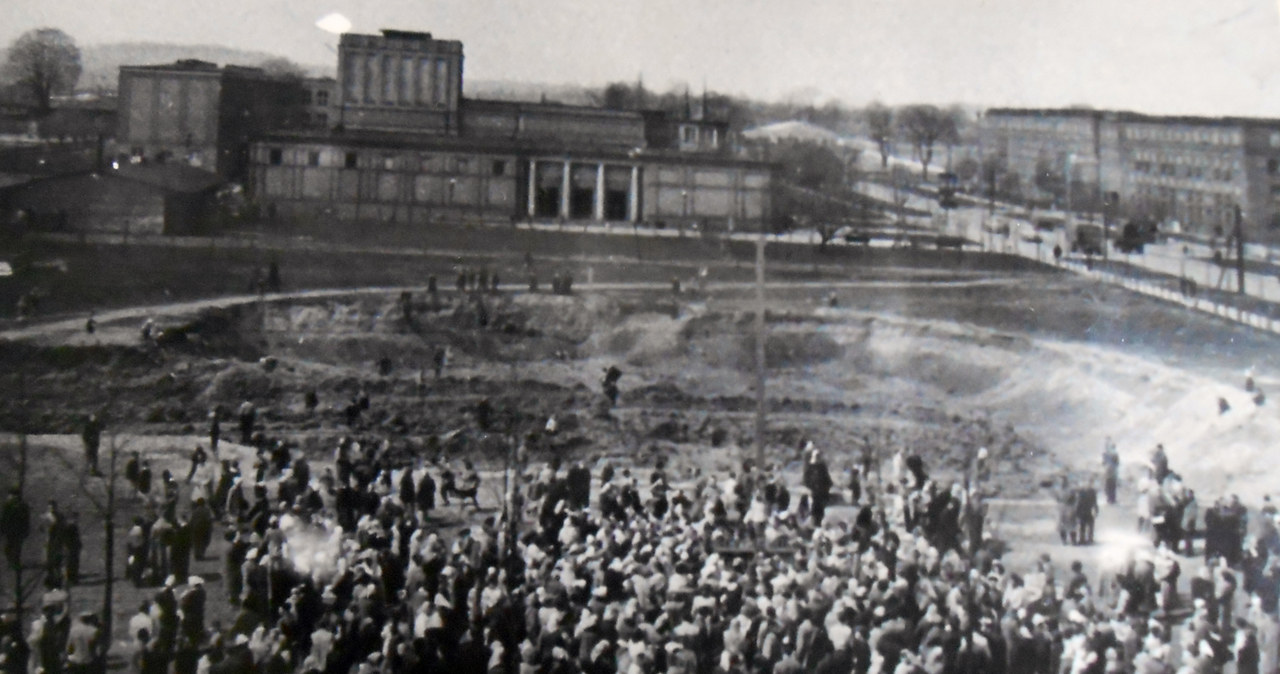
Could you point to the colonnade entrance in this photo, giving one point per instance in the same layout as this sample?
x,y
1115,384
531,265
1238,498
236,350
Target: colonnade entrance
x,y
576,190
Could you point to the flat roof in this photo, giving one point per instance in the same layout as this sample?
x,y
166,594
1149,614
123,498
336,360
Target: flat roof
x,y
197,67
386,140
1133,117
525,106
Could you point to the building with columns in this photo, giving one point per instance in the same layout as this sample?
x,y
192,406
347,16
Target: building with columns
x,y
406,146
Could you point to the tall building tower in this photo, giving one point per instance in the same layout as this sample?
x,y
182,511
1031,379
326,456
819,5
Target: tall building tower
x,y
399,81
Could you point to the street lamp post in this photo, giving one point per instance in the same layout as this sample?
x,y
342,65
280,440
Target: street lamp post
x,y
1239,250
684,209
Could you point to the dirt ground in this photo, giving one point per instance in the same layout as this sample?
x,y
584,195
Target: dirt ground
x,y
1037,368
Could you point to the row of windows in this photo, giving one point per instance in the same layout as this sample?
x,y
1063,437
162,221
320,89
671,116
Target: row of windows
x,y
423,162
1139,132
1195,159
1218,200
1174,170
691,134
1190,213
1039,124
1167,135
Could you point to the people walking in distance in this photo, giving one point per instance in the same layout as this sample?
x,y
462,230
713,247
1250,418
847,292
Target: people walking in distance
x,y
1111,470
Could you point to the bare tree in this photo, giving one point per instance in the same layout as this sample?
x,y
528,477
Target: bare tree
x,y
880,124
103,500
618,96
925,126
44,61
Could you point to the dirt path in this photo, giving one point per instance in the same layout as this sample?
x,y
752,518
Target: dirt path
x,y
121,326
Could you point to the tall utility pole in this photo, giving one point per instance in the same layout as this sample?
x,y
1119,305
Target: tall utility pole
x,y
1239,250
760,400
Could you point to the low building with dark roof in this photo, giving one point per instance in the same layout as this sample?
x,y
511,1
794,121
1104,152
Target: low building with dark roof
x,y
133,199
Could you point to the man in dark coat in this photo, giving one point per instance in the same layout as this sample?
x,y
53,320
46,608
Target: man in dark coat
x,y
579,483
408,492
426,493
180,545
144,478
248,416
191,606
15,526
54,557
215,429
1111,470
1086,513
201,527
72,545
817,478
92,437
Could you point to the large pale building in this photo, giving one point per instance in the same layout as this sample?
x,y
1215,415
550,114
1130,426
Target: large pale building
x,y
406,146
1190,170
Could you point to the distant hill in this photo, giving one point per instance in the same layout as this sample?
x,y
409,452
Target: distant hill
x,y
512,90
101,62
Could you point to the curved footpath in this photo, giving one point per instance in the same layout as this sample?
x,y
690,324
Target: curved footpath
x,y
65,328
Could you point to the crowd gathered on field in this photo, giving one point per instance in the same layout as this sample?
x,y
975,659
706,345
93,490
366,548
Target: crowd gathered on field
x,y
390,559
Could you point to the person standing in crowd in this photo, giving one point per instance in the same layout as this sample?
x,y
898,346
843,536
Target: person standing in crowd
x,y
85,645
201,527
248,416
91,435
131,469
817,479
1159,465
144,479
54,554
1111,470
198,458
15,527
1068,527
1086,504
215,429
71,545
426,494
609,384
1190,516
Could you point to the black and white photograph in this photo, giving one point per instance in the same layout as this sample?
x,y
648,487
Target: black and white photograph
x,y
640,337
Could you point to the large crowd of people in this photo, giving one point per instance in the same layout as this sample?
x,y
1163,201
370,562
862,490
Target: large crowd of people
x,y
603,569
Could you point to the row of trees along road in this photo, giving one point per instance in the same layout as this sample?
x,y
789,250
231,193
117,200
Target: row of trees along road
x,y
924,127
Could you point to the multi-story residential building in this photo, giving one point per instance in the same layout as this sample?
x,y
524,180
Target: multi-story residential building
x,y
1192,171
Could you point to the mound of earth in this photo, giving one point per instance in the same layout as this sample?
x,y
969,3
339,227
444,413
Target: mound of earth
x,y
843,378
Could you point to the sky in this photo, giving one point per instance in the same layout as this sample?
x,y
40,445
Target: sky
x,y
1205,57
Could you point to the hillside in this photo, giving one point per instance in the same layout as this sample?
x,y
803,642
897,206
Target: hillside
x,y
102,61
512,90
